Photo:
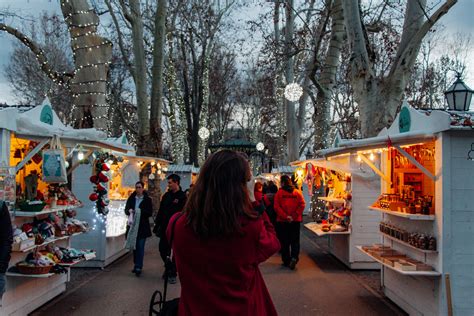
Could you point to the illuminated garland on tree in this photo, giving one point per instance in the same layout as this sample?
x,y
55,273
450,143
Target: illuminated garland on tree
x,y
204,117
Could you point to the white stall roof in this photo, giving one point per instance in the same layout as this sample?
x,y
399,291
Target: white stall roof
x,y
284,169
182,169
334,164
42,122
410,126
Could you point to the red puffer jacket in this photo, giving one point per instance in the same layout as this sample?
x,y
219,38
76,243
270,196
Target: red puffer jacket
x,y
289,204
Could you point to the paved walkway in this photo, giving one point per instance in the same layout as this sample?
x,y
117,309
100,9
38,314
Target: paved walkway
x,y
320,285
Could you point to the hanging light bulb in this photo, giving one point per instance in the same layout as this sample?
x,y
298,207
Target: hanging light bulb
x,y
372,156
293,92
359,158
80,154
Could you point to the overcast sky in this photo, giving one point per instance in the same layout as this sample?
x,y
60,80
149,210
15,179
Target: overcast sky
x,y
459,19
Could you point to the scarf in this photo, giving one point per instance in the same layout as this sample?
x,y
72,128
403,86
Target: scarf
x,y
131,241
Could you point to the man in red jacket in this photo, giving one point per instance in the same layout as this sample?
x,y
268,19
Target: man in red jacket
x,y
289,205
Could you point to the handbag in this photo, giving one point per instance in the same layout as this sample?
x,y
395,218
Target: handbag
x,y
165,308
54,165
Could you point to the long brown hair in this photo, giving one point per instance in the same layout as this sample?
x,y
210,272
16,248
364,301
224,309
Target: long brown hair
x,y
220,195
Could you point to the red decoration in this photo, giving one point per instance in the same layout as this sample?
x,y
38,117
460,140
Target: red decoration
x,y
103,177
101,187
93,197
94,179
105,167
467,122
37,158
103,203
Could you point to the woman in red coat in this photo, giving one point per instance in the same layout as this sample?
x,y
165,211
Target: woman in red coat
x,y
289,205
220,241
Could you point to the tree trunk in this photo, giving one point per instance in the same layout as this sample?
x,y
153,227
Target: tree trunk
x,y
327,82
92,55
140,78
157,75
293,130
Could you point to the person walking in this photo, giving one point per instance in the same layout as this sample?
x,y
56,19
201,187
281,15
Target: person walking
x,y
139,208
289,205
172,202
220,240
6,240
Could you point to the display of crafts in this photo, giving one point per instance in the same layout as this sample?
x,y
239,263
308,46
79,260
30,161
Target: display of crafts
x,y
48,229
338,203
60,195
50,260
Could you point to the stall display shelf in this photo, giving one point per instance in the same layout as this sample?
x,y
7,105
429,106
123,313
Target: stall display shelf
x,y
47,242
407,244
70,264
40,276
404,215
331,200
317,229
43,244
412,273
46,211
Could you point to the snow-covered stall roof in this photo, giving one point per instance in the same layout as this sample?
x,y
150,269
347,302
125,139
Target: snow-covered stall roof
x,y
43,122
284,169
409,126
182,169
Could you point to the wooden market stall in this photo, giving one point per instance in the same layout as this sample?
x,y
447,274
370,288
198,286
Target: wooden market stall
x,y
426,230
123,170
341,187
35,149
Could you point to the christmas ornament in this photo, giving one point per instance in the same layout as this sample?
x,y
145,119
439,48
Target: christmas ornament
x,y
105,167
93,197
103,177
94,179
101,187
293,92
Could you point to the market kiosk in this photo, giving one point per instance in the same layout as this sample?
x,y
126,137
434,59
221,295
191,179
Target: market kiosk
x,y
123,171
340,189
426,230
43,209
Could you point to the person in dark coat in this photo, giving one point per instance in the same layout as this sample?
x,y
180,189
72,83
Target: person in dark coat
x,y
140,200
173,202
6,240
219,241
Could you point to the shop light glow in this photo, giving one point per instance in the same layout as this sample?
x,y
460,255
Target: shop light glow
x,y
359,159
372,157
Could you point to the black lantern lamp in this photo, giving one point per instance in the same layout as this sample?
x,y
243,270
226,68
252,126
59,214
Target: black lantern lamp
x,y
459,95
308,154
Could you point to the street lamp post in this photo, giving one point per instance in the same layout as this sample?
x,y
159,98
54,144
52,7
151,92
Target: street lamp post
x,y
459,95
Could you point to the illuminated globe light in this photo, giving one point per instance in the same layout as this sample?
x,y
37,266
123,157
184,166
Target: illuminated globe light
x,y
80,155
293,92
260,146
203,133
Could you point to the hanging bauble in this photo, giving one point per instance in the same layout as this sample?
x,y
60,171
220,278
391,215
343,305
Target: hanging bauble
x,y
103,203
203,133
293,92
151,176
105,167
101,187
94,179
103,177
93,197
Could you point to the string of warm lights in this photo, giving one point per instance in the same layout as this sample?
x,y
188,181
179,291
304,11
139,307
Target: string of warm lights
x,y
204,117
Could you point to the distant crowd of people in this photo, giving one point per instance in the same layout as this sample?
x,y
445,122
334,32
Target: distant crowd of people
x,y
223,228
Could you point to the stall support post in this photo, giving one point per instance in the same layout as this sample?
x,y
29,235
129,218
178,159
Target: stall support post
x,y
4,147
